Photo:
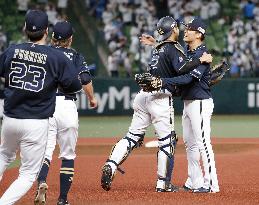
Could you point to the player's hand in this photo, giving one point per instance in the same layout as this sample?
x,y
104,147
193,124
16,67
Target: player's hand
x,y
147,40
93,103
206,58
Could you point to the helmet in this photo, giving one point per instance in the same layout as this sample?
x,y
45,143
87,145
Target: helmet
x,y
164,28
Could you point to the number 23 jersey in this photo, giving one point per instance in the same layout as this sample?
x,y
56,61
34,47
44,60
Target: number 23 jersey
x,y
32,74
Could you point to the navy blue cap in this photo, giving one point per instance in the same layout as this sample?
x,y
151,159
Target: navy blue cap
x,y
197,25
62,30
36,20
165,27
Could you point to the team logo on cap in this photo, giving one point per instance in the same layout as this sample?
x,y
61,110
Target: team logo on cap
x,y
190,21
200,29
160,31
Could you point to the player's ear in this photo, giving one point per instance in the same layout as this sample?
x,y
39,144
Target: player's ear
x,y
198,35
47,31
70,41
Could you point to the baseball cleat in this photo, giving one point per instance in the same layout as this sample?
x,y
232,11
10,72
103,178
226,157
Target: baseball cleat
x,y
186,189
40,198
201,190
107,177
170,188
62,202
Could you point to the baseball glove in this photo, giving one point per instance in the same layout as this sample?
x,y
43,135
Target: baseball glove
x,y
218,72
148,82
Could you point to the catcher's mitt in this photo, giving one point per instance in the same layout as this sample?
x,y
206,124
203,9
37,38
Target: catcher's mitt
x,y
148,82
218,72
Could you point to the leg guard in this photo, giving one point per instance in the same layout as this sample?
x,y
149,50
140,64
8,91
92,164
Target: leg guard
x,y
123,148
119,154
165,160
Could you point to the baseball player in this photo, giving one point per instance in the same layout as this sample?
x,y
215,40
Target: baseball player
x,y
198,108
32,73
63,126
155,108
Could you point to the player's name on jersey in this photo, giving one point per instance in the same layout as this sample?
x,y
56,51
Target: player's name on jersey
x,y
30,56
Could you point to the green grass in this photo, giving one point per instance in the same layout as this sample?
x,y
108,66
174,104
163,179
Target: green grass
x,y
15,163
222,126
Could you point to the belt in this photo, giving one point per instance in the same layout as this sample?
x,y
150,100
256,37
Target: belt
x,y
70,98
67,97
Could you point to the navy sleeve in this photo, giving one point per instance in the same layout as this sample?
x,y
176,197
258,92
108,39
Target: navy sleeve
x,y
80,63
189,66
180,62
179,80
68,77
83,69
198,72
85,77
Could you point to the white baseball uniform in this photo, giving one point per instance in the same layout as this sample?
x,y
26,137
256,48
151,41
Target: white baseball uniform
x,y
30,136
63,128
149,108
198,108
33,73
196,135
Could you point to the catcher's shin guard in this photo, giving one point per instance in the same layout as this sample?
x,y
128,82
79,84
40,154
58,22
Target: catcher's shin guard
x,y
118,155
165,160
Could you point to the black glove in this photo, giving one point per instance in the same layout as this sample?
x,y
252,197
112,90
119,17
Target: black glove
x,y
218,72
148,82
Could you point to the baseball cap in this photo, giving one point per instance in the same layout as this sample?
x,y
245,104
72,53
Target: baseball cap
x,y
164,28
62,30
36,20
197,25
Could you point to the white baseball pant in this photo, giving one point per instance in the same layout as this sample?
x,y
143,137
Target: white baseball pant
x,y
63,128
196,135
149,108
30,136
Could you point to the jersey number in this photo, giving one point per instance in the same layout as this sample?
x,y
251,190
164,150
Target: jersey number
x,y
19,75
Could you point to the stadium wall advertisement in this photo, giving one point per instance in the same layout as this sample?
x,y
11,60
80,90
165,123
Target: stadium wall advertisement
x,y
115,97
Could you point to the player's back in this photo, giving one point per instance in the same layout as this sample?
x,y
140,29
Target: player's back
x,y
166,60
78,61
32,73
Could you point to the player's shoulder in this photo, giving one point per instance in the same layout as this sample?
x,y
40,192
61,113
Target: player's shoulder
x,y
201,49
69,53
172,46
59,53
176,46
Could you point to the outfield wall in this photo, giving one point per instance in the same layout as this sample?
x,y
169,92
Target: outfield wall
x,y
115,97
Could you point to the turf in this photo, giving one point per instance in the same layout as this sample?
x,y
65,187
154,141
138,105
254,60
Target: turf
x,y
222,126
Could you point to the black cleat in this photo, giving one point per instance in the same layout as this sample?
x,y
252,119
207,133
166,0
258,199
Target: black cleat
x,y
40,198
169,188
107,177
62,202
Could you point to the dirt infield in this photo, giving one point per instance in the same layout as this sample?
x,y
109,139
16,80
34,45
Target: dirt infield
x,y
237,162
